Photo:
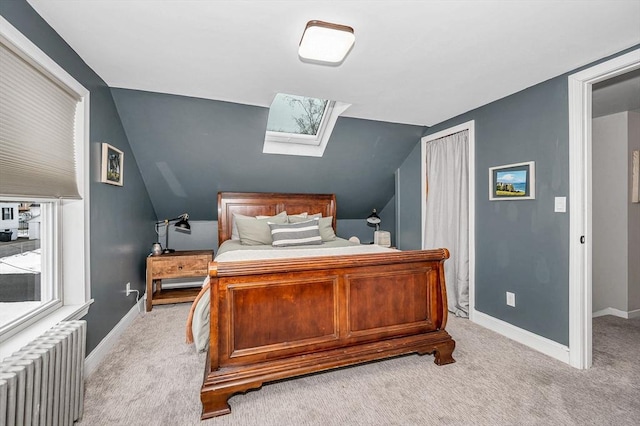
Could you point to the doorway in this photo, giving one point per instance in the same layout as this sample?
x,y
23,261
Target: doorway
x,y
580,217
616,220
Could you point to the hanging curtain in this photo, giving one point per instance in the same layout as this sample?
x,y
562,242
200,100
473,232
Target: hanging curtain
x,y
447,213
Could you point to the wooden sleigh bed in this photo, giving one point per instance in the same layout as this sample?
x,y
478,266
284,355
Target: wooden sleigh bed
x,y
280,318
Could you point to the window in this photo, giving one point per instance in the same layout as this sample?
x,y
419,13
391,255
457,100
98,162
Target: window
x,y
300,125
7,214
49,227
24,271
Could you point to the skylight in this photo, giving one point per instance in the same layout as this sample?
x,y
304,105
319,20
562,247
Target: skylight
x,y
296,114
300,125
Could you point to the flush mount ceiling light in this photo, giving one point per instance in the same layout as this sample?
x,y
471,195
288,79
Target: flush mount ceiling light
x,y
326,42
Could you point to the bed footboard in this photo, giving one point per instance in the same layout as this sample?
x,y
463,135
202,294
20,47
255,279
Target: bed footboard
x,y
283,318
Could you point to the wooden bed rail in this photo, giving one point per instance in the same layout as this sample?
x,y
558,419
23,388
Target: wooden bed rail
x,y
249,267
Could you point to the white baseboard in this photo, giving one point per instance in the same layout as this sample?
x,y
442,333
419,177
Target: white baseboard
x,y
617,313
534,341
142,308
93,360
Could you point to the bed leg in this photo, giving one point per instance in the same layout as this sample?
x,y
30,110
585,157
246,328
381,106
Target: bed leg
x,y
443,353
214,404
215,401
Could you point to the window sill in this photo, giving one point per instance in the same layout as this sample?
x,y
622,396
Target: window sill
x,y
22,338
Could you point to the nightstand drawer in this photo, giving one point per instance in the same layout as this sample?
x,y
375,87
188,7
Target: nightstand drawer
x,y
179,264
191,266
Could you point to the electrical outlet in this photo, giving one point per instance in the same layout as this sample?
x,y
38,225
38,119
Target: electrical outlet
x,y
128,289
511,299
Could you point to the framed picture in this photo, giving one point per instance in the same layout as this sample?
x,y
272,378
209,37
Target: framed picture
x,y
513,182
112,165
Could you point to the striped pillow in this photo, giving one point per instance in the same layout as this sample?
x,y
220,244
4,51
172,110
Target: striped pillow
x,y
295,234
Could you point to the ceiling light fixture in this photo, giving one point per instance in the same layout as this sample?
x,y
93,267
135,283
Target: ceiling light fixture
x,y
326,42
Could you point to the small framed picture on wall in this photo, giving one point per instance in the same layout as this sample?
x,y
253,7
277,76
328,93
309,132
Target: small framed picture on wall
x,y
513,182
112,171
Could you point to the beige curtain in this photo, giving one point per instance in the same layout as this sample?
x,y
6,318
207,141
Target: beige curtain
x,y
447,213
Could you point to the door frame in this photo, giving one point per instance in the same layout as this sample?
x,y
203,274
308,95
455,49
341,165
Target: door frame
x,y
470,127
580,201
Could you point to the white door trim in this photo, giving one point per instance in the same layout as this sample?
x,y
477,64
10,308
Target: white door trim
x,y
580,316
470,127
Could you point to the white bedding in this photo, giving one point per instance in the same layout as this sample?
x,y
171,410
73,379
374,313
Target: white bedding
x,y
233,251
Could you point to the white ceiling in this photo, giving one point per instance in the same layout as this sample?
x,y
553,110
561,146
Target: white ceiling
x,y
414,62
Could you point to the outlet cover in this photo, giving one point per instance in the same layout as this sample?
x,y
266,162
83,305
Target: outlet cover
x,y
511,299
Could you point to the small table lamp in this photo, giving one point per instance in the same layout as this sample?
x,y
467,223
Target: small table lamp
x,y
382,238
374,220
182,225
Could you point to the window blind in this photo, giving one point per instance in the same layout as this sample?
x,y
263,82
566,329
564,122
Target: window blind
x,y
37,131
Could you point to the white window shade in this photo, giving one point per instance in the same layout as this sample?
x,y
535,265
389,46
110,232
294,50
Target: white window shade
x,y
37,129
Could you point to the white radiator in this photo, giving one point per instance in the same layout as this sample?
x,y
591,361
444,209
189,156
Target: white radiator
x,y
43,383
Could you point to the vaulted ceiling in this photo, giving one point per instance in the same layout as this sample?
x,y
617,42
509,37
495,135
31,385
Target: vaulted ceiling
x,y
414,64
189,149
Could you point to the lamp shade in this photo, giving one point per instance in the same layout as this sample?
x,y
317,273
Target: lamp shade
x,y
373,218
183,223
326,42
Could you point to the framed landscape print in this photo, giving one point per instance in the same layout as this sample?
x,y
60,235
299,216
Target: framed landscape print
x,y
513,182
112,165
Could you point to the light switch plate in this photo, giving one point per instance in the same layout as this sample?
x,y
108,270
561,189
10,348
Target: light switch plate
x,y
560,205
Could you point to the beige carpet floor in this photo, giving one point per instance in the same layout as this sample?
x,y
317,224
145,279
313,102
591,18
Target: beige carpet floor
x,y
151,377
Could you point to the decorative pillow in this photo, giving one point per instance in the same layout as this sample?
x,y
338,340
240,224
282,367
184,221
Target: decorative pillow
x,y
295,218
235,235
234,228
295,234
325,223
255,232
326,228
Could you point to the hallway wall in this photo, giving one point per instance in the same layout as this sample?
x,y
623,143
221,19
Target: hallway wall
x,y
616,221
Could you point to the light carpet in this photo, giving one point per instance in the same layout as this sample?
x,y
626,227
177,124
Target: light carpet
x,y
151,377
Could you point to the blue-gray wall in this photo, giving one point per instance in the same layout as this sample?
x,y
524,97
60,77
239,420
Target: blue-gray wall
x,y
204,233
521,246
409,211
188,149
120,216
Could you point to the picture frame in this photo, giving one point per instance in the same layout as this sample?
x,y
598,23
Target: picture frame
x,y
512,182
112,170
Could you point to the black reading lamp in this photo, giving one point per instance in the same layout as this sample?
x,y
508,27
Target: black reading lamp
x,y
374,220
182,225
382,238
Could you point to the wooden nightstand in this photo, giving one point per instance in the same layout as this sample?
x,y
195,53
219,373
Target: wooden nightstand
x,y
180,264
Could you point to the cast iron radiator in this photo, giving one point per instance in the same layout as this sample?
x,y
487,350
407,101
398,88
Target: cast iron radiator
x,y
43,383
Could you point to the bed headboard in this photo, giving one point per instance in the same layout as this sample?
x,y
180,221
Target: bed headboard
x,y
269,204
